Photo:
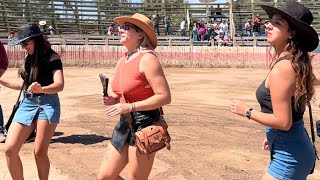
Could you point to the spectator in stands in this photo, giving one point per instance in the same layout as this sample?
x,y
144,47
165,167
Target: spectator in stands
x,y
248,27
40,106
208,31
286,92
202,31
111,29
51,29
10,37
211,10
156,21
3,67
256,25
195,32
183,27
228,41
139,76
167,24
221,41
43,26
223,28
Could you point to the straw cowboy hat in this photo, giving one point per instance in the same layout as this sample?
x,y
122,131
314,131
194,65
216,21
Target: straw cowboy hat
x,y
141,21
25,32
299,18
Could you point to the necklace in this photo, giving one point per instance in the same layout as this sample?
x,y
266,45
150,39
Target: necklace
x,y
128,55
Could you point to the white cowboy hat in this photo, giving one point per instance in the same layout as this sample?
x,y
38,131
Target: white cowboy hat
x,y
42,23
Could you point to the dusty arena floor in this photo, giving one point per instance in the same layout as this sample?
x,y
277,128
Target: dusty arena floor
x,y
208,141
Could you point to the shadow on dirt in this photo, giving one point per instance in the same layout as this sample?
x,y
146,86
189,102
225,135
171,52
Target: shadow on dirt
x,y
85,139
58,133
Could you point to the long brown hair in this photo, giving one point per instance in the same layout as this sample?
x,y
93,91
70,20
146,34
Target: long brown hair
x,y
301,63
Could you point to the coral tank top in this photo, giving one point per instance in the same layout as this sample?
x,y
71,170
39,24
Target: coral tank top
x,y
128,79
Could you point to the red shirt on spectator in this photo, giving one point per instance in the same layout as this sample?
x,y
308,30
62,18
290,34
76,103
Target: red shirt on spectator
x,y
3,58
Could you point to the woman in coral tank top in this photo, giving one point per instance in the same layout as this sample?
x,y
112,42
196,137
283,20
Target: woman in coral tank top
x,y
140,78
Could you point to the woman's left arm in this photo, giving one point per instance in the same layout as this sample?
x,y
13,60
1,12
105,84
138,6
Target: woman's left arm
x,y
57,85
152,69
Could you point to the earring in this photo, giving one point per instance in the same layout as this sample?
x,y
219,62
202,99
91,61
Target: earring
x,y
290,37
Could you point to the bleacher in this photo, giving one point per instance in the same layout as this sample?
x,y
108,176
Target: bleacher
x,y
244,10
73,18
80,16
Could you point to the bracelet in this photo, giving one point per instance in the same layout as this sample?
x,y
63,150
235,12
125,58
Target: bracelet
x,y
133,106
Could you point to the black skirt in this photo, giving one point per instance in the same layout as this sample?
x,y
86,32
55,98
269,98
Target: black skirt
x,y
140,119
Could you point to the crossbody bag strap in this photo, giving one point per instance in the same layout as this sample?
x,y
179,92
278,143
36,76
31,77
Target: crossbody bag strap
x,y
17,102
313,139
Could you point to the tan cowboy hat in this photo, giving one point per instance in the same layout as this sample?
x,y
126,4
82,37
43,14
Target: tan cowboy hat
x,y
141,21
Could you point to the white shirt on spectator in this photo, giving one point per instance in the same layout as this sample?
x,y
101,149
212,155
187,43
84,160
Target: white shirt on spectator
x,y
183,25
223,27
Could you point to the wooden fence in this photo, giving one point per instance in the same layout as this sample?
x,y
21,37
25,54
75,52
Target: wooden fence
x,y
174,56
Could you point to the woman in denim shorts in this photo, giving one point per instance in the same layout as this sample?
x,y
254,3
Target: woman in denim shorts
x,y
286,91
39,108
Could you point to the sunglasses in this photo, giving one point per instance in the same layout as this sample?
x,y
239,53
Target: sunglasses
x,y
25,43
126,27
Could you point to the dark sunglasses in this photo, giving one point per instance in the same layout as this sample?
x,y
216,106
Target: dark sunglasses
x,y
25,43
127,27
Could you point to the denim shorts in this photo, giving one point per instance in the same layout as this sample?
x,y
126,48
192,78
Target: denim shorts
x,y
292,153
41,107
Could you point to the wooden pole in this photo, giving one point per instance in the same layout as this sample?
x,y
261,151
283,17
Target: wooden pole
x,y
231,20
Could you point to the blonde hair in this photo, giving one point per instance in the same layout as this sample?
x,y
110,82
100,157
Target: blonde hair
x,y
145,43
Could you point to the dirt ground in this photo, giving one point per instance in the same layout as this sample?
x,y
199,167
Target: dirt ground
x,y
208,141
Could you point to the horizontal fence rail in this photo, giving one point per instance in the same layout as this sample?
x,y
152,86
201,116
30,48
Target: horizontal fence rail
x,y
162,40
174,56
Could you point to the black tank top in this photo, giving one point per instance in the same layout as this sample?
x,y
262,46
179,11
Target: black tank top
x,y
264,99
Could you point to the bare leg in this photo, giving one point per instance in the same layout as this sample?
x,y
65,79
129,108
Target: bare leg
x,y
114,163
139,164
16,136
45,132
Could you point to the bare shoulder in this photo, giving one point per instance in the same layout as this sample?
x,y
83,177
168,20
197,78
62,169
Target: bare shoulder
x,y
149,58
149,63
54,56
283,69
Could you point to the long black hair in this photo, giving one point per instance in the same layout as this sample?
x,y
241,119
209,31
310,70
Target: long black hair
x,y
42,52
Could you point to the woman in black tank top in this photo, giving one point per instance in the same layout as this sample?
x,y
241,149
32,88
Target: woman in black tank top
x,y
285,92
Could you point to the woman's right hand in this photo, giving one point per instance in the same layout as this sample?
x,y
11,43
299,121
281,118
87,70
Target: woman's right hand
x,y
265,144
109,100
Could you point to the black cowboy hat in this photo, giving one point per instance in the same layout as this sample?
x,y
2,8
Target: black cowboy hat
x,y
25,32
299,18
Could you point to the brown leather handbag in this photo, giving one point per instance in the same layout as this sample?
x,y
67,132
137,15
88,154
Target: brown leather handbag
x,y
153,138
